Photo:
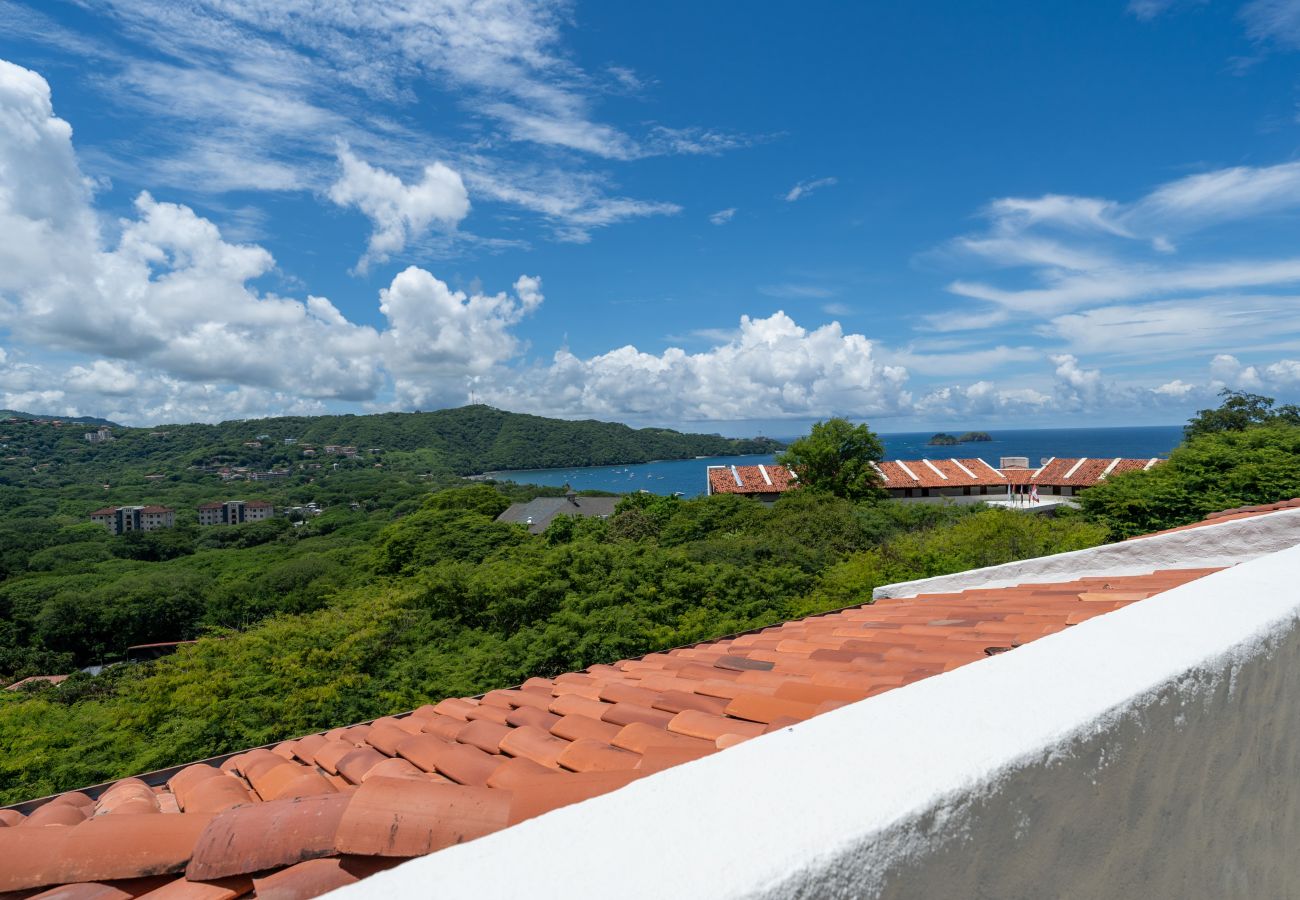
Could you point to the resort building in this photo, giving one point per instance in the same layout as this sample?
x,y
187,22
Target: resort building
x,y
100,435
916,479
121,519
765,482
233,512
936,479
539,513
1118,721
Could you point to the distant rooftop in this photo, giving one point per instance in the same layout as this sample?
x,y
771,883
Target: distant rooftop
x,y
538,513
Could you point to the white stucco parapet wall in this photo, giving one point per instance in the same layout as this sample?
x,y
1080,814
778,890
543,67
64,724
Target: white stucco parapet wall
x,y
1149,752
1215,545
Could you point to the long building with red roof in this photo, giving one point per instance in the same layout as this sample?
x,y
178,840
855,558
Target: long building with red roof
x,y
907,479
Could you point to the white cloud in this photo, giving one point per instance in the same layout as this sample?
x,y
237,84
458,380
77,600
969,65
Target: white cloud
x,y
983,399
103,377
1284,372
574,203
805,188
1228,370
1077,388
1015,214
399,212
771,369
964,361
1273,20
44,200
168,314
1176,388
722,216
1166,328
251,95
1085,253
437,337
1223,195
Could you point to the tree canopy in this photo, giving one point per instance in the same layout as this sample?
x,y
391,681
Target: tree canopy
x,y
836,457
1238,412
1240,454
380,614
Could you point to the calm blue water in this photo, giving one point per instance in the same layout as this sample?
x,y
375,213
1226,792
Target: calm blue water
x,y
686,476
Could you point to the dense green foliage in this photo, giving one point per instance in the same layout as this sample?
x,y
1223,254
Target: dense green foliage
x,y
465,441
969,436
1241,454
407,590
1238,412
72,595
839,458
1210,472
943,439
356,618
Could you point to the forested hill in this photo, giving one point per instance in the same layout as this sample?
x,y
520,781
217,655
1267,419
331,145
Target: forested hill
x,y
26,416
465,441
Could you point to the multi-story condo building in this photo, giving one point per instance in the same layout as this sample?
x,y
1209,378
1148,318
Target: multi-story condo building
x,y
121,519
232,512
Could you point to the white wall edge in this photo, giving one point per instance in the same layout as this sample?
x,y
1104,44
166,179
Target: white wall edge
x,y
1086,763
1219,544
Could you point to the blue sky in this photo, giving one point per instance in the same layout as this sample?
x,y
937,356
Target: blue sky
x,y
952,216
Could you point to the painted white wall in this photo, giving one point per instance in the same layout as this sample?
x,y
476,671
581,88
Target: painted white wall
x,y
1220,544
1148,752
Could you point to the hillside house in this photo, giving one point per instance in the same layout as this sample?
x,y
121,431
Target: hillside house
x,y
539,513
764,482
121,519
233,512
916,479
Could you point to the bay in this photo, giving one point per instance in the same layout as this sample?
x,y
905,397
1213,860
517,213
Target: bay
x,y
687,476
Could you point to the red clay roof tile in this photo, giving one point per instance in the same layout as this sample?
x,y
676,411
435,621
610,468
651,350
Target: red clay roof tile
x,y
396,817
460,768
267,835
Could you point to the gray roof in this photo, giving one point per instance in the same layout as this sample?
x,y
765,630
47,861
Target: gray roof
x,y
537,514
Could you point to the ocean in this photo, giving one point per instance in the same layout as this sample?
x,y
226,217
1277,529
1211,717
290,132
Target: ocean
x,y
687,476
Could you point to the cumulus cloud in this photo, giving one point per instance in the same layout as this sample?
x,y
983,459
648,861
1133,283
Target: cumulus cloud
x,y
772,368
167,314
437,337
399,212
805,188
1176,388
983,398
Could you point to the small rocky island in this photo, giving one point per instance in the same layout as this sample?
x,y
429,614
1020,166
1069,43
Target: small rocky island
x,y
947,440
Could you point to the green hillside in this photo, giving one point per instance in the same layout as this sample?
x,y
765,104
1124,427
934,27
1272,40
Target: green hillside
x,y
465,441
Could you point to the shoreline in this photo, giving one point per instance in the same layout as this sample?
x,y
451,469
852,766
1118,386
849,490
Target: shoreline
x,y
647,462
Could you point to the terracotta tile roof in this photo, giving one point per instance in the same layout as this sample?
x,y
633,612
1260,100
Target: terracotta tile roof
x,y
307,815
155,509
1230,515
938,473
764,479
1076,471
51,679
106,511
